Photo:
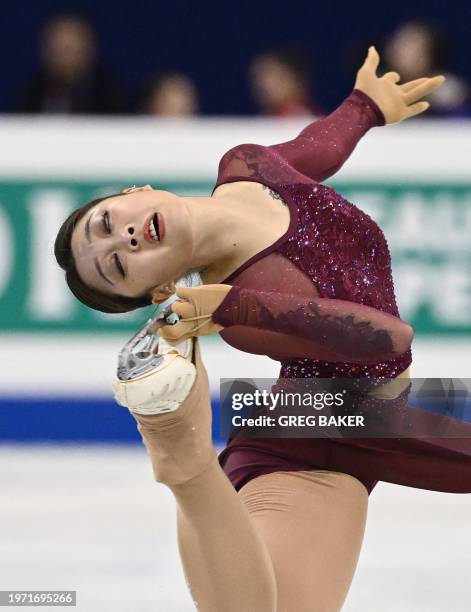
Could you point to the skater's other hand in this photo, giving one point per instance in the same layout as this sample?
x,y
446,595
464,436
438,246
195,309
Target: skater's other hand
x,y
396,101
195,307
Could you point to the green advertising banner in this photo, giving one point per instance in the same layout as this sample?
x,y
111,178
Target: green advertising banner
x,y
428,228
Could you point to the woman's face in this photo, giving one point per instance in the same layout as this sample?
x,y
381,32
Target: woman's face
x,y
116,244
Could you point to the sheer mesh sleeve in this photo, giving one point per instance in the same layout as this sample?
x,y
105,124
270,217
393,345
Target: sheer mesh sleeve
x,y
321,149
316,328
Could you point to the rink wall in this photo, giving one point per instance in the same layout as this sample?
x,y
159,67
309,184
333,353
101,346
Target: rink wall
x,y
58,358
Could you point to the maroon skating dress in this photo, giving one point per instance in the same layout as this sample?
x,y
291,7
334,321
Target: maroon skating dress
x,y
321,301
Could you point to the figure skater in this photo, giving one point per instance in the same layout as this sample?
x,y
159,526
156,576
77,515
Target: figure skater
x,y
294,271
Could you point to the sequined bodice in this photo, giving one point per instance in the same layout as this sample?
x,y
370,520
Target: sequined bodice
x,y
346,255
313,291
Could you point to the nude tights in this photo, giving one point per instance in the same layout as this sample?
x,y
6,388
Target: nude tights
x,y
287,542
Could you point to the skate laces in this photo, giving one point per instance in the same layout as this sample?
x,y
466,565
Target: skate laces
x,y
197,318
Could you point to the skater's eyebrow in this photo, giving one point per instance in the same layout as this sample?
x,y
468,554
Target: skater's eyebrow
x,y
87,228
95,261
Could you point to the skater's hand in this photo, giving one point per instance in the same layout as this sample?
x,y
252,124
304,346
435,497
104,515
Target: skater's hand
x,y
198,302
397,102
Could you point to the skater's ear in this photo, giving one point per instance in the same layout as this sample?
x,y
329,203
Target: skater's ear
x,y
134,188
163,292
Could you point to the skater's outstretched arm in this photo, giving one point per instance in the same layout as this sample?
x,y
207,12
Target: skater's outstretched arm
x,y
322,148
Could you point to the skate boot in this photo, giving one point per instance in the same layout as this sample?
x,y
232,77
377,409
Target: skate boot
x,y
179,443
154,376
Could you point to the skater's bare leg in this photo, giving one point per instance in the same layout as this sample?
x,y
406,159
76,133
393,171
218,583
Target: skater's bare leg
x,y
225,560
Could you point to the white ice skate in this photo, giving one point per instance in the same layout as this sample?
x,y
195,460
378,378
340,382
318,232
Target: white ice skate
x,y
155,376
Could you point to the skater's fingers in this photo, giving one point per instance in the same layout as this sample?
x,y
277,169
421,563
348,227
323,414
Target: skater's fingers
x,y
405,87
416,109
372,61
423,89
178,332
186,293
183,309
393,77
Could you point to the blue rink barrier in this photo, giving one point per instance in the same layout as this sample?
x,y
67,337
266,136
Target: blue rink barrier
x,y
99,420
73,420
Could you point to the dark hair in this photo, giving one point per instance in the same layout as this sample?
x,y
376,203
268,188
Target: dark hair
x,y
90,297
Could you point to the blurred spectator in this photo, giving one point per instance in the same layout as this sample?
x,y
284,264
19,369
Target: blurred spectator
x,y
71,79
418,49
281,83
172,94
